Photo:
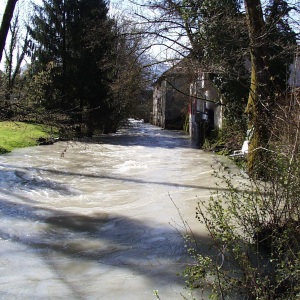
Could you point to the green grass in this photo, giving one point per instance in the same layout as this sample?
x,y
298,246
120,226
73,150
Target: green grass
x,y
18,135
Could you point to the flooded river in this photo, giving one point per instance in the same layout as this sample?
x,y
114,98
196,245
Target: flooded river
x,y
98,219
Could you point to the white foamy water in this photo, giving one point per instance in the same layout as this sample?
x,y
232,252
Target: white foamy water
x,y
99,222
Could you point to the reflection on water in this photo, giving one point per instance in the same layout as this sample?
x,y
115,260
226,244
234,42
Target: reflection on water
x,y
99,222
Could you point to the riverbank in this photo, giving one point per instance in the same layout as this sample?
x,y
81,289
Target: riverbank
x,y
19,135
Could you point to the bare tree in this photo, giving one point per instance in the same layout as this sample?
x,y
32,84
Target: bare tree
x,y
12,71
264,90
222,36
7,17
259,101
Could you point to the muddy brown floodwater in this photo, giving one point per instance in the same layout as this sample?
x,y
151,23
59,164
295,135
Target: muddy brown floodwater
x,y
100,222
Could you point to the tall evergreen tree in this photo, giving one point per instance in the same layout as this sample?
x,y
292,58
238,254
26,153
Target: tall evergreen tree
x,y
73,36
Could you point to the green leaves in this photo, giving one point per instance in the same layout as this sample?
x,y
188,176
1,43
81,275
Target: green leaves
x,y
254,230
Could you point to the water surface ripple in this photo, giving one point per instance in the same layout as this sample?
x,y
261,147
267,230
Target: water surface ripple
x,y
96,219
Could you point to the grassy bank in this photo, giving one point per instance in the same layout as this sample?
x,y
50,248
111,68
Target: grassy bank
x,y
18,135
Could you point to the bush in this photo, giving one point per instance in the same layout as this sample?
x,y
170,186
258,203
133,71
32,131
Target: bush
x,y
255,236
254,226
227,139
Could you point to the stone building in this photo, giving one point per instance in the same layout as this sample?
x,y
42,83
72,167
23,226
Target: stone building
x,y
171,98
185,98
205,112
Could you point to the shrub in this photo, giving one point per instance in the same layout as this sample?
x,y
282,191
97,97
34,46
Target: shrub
x,y
255,236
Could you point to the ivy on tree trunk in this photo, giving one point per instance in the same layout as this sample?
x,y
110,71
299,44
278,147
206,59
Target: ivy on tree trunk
x,y
260,96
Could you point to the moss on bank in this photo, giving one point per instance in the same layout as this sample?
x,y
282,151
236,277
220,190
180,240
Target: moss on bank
x,y
19,134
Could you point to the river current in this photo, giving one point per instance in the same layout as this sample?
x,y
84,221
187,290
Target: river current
x,y
101,219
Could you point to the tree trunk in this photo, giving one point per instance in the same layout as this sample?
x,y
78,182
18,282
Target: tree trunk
x,y
260,96
8,14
